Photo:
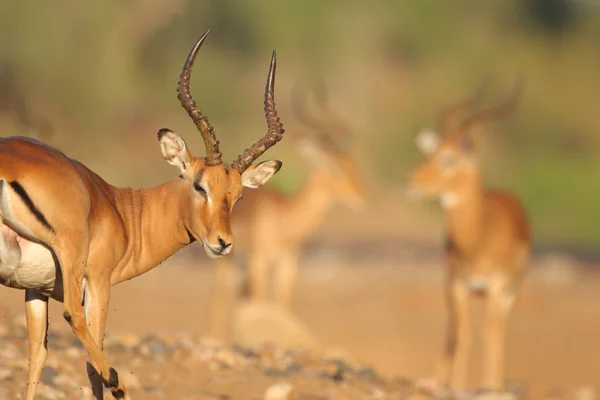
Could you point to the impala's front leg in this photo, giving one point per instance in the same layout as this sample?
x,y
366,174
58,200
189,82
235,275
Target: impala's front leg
x,y
285,278
499,304
223,298
73,261
258,277
453,366
36,313
96,303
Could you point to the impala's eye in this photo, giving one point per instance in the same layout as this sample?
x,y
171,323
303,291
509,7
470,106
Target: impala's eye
x,y
200,189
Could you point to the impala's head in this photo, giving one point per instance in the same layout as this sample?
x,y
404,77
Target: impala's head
x,y
326,146
450,162
210,188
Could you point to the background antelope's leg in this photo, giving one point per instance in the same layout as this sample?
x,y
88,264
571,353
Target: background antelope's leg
x,y
452,369
285,278
36,313
96,303
258,278
499,304
223,298
73,262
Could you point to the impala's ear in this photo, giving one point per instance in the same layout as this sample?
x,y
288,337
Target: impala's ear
x,y
174,149
259,174
311,150
427,141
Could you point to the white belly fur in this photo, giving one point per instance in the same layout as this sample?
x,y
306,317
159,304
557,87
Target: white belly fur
x,y
25,264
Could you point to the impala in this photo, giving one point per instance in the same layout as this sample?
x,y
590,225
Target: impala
x,y
70,236
487,244
286,222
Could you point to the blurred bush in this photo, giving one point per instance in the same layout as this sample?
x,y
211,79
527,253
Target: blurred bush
x,y
105,73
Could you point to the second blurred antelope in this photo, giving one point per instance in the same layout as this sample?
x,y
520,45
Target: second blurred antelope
x,y
273,227
487,240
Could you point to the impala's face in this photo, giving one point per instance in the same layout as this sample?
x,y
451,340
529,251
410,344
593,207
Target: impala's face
x,y
345,183
210,192
448,165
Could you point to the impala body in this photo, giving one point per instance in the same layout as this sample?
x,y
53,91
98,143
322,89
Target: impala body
x,y
286,222
66,234
487,243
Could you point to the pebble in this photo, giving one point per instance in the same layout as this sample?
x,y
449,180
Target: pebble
x,y
45,392
279,391
48,375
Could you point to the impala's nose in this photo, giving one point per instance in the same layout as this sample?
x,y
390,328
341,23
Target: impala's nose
x,y
224,245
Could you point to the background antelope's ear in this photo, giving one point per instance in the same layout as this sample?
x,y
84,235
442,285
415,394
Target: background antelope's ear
x,y
427,141
174,149
259,174
310,150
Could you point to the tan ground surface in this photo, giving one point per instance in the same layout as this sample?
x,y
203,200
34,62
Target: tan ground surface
x,y
384,310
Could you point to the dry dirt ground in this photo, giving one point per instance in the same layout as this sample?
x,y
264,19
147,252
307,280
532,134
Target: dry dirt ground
x,y
382,309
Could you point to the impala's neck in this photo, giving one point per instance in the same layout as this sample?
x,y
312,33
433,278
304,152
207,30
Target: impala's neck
x,y
153,225
465,210
309,207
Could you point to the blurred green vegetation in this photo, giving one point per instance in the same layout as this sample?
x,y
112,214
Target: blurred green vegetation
x,y
106,72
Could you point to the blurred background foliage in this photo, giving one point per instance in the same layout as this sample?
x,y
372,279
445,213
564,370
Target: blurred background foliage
x,y
102,75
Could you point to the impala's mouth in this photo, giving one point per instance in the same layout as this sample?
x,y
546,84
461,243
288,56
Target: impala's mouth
x,y
212,253
216,251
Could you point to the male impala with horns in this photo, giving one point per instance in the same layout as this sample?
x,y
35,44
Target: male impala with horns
x,y
487,240
66,234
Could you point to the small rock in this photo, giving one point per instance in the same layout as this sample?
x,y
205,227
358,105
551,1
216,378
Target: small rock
x,y
5,373
279,391
368,373
48,375
377,394
294,367
130,341
337,370
586,393
495,396
156,349
65,381
276,373
45,392
10,351
19,321
4,331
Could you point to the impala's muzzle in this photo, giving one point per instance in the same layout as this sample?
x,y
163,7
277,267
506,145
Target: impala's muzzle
x,y
222,248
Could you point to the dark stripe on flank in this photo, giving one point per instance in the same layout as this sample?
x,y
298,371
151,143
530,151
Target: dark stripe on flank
x,y
16,186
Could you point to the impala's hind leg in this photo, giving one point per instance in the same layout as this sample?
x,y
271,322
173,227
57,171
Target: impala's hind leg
x,y
73,259
36,313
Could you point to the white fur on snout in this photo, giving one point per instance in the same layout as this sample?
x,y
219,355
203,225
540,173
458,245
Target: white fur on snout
x,y
449,200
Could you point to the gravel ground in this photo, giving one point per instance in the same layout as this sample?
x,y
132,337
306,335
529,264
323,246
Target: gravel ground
x,y
180,366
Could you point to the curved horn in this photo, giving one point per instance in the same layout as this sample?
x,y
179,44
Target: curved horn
x,y
447,115
501,110
299,106
275,127
323,128
213,156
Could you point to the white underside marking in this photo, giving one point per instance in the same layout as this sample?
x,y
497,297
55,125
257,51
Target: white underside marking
x,y
23,264
449,200
479,283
